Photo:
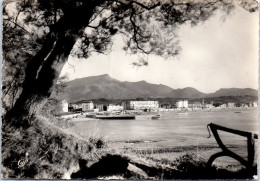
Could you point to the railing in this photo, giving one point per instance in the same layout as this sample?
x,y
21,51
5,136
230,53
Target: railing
x,y
226,152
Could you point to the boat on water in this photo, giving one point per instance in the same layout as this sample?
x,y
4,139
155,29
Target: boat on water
x,y
90,116
157,116
115,117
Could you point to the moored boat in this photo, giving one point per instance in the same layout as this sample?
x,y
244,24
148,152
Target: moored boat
x,y
115,116
90,116
157,116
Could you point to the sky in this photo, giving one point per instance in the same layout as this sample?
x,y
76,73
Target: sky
x,y
219,53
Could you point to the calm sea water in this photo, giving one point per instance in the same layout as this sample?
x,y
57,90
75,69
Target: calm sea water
x,y
172,130
175,133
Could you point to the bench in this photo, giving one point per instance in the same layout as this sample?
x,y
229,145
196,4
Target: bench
x,y
226,152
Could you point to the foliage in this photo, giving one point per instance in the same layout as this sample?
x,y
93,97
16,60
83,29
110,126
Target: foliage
x,y
18,46
46,150
188,166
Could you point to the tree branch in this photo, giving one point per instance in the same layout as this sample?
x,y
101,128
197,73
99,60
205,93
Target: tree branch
x,y
16,24
130,3
136,28
143,6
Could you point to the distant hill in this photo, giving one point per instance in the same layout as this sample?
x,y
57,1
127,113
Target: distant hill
x,y
103,86
234,92
187,92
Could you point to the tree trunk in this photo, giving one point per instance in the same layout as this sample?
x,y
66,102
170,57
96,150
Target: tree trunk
x,y
43,69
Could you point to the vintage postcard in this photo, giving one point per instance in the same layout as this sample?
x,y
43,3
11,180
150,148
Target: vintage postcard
x,y
129,89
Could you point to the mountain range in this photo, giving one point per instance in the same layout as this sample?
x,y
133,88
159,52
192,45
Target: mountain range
x,y
103,86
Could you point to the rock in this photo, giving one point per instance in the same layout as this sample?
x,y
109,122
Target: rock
x,y
137,171
107,166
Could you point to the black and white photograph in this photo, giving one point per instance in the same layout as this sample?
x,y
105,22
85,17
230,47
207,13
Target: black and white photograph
x,y
130,89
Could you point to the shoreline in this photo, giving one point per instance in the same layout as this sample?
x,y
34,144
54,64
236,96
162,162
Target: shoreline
x,y
136,113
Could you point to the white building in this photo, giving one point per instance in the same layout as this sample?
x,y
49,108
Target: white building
x,y
65,106
73,107
231,105
142,105
255,104
100,107
182,104
87,106
223,106
112,107
209,106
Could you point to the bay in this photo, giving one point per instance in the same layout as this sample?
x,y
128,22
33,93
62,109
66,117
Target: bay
x,y
186,130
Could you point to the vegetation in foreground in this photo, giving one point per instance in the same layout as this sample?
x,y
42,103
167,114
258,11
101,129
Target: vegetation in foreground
x,y
45,150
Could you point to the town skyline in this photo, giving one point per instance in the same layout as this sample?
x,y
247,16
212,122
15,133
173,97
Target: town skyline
x,y
216,54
